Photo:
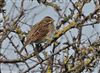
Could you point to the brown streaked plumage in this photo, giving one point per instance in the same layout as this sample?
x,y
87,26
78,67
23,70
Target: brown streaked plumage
x,y
41,31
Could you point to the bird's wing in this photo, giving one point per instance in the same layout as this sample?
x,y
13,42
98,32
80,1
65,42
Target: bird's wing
x,y
40,34
37,33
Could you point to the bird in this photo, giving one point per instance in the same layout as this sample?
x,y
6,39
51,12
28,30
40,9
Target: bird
x,y
41,32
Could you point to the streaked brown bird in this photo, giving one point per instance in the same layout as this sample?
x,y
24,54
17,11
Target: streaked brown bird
x,y
41,32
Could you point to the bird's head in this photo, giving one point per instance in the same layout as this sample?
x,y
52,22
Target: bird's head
x,y
48,19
